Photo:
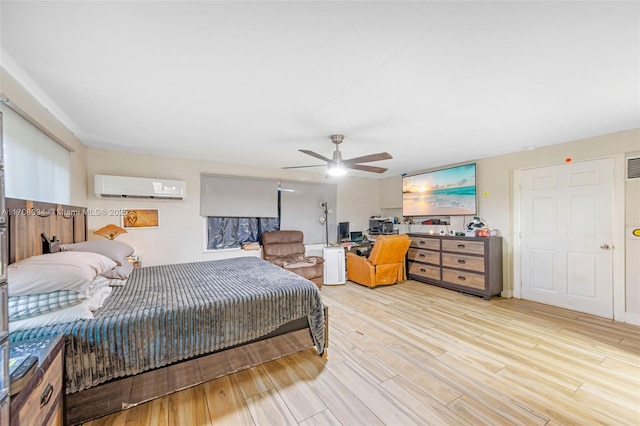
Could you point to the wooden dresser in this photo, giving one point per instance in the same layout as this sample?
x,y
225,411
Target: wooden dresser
x,y
466,264
40,402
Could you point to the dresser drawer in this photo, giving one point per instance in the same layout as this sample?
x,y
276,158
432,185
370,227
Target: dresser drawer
x,y
43,405
425,243
424,271
424,256
463,246
470,263
462,278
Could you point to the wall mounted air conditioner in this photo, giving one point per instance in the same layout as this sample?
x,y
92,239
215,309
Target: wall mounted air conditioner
x,y
134,187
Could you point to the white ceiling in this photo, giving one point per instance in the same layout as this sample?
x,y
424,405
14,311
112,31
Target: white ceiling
x,y
432,83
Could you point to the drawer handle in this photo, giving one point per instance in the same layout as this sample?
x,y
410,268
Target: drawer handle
x,y
420,242
461,261
460,245
46,395
421,255
423,270
461,278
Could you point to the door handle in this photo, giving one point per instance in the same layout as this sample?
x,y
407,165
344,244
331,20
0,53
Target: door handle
x,y
605,246
46,395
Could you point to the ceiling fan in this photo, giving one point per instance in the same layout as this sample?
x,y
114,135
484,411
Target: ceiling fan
x,y
337,166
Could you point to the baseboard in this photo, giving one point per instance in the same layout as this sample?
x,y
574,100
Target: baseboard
x,y
631,318
507,294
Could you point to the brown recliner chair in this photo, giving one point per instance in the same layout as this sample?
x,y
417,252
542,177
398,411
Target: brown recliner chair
x,y
286,249
385,264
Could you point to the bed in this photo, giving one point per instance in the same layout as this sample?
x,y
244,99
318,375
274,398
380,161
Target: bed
x,y
175,326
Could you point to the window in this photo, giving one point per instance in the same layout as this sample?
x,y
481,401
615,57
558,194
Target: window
x,y
36,167
238,210
232,232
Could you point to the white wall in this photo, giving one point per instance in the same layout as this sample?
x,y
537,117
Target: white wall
x,y
495,179
180,236
632,246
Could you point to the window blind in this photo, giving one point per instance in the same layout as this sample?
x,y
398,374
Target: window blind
x,y
36,167
301,210
230,196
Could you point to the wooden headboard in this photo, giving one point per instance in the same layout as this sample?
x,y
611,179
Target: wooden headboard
x,y
27,220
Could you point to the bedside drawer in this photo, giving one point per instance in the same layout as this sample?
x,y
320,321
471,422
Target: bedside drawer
x,y
465,279
425,243
43,404
463,246
424,256
424,271
470,263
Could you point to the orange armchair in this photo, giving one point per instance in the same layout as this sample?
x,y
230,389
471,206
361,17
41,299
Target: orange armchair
x,y
385,264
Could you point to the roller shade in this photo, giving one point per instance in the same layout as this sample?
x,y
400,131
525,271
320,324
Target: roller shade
x,y
36,167
230,196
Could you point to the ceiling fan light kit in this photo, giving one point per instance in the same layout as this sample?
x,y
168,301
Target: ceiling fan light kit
x,y
336,171
336,166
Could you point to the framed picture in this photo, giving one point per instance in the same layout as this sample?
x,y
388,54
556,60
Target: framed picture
x,y
140,219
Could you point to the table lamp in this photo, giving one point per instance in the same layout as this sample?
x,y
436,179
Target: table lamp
x,y
110,231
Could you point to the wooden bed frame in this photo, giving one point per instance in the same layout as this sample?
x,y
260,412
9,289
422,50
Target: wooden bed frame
x,y
27,220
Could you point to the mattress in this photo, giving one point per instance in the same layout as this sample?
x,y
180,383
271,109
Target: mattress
x,y
170,313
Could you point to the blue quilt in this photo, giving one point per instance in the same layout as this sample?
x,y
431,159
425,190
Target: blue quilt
x,y
175,312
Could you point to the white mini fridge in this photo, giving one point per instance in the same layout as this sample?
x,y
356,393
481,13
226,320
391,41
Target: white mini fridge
x,y
334,269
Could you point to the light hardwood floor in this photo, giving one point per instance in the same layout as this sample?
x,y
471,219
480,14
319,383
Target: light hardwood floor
x,y
417,354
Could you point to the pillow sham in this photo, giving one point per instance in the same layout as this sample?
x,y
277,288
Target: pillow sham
x,y
30,305
65,270
81,311
120,272
114,250
20,307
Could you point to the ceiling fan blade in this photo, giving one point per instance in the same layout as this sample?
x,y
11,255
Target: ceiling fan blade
x,y
366,168
314,154
367,158
302,167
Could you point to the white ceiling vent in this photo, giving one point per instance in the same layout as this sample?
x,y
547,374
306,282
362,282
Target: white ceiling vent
x,y
633,168
134,187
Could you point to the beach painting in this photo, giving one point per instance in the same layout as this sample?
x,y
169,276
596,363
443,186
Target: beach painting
x,y
444,192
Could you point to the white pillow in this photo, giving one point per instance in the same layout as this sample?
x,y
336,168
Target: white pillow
x,y
84,310
65,270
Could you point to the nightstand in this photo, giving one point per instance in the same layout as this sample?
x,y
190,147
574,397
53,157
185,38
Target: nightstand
x,y
135,261
40,402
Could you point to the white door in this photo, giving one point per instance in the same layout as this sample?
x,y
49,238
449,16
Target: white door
x,y
567,234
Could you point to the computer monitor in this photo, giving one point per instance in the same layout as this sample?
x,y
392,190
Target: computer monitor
x,y
356,236
343,231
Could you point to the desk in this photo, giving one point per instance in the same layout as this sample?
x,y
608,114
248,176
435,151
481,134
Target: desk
x,y
359,248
